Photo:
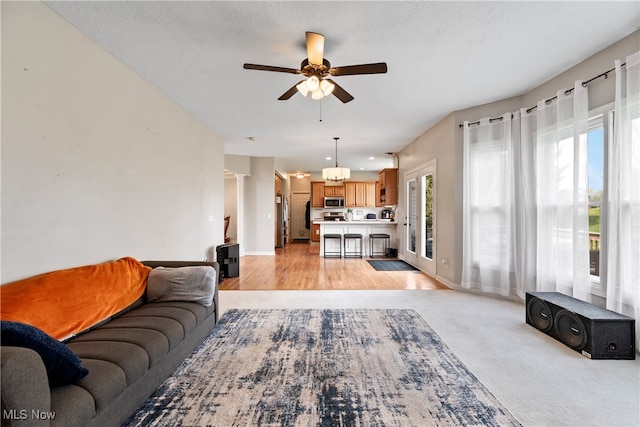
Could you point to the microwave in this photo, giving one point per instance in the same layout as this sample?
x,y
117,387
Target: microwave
x,y
333,202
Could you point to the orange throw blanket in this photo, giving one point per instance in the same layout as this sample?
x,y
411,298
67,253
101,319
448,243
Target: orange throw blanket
x,y
65,302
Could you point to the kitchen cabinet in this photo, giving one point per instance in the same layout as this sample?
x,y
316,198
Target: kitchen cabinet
x,y
334,191
360,194
370,194
319,190
387,187
315,232
317,194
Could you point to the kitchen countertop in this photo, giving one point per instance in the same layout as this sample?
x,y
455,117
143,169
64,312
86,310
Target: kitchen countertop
x,y
355,221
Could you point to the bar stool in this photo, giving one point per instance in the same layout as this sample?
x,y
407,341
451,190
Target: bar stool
x,y
386,241
354,253
333,254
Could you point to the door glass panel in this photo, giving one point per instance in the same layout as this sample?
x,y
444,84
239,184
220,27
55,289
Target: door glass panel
x,y
427,234
411,215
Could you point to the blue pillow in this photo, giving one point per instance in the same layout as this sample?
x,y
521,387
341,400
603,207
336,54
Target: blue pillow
x,y
63,365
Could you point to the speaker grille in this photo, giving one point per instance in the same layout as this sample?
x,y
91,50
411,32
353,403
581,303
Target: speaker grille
x,y
571,330
539,314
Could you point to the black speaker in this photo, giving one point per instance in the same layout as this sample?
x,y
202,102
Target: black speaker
x,y
595,332
228,256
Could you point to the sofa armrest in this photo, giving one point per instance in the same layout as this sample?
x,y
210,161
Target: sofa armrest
x,y
24,387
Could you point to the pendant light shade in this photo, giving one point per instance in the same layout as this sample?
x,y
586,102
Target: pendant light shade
x,y
336,173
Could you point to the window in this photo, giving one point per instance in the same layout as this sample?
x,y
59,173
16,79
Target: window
x,y
598,136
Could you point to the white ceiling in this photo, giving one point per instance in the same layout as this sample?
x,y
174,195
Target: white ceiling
x,y
441,56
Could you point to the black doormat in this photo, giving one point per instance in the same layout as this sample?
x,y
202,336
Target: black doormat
x,y
391,265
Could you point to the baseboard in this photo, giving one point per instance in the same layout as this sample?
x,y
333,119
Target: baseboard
x,y
259,253
448,283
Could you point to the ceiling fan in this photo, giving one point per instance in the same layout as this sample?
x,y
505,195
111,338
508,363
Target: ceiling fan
x,y
316,68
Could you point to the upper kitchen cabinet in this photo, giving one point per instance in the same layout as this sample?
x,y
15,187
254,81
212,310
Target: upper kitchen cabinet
x,y
360,194
388,187
334,191
317,194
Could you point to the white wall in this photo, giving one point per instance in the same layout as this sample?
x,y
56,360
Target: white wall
x,y
259,211
96,163
238,164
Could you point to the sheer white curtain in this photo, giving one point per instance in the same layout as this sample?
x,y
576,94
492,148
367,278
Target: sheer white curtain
x,y
488,214
525,200
623,260
562,193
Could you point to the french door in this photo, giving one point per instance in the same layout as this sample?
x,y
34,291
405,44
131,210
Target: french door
x,y
420,237
411,221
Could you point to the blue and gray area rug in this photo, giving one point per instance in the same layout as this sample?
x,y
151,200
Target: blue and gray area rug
x,y
322,368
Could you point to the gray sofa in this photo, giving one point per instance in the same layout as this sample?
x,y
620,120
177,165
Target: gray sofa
x,y
128,357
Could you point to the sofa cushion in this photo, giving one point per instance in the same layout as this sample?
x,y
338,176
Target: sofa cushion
x,y
66,302
72,404
170,328
192,284
105,382
185,317
63,365
130,358
153,342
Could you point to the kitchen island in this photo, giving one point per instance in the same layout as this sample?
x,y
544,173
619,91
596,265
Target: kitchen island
x,y
364,227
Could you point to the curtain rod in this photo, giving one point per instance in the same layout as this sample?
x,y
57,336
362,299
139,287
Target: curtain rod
x,y
566,92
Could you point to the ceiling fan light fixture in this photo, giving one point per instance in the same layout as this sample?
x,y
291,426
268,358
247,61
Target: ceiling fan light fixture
x,y
302,88
313,83
327,87
315,67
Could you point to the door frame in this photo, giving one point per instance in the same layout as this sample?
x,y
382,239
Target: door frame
x,y
292,214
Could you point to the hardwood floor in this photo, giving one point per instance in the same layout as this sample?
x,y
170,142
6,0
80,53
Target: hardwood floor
x,y
298,266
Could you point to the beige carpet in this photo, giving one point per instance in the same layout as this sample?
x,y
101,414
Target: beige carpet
x,y
541,381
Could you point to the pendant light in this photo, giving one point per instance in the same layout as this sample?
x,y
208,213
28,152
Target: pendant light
x,y
336,173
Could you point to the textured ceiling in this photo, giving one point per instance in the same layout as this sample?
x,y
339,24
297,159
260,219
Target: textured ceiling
x,y
441,56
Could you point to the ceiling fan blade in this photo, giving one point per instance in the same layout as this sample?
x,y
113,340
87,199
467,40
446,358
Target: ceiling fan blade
x,y
351,70
340,93
315,47
270,68
288,94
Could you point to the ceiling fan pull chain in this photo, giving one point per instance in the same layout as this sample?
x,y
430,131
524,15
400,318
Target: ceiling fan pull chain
x,y
320,103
